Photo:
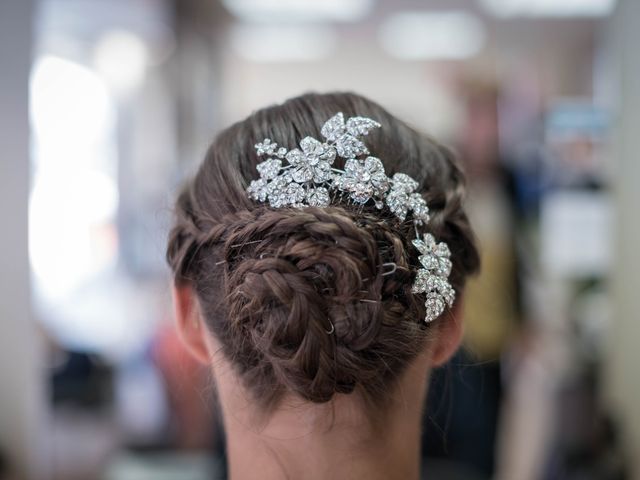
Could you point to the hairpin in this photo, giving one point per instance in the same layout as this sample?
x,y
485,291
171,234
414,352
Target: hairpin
x,y
305,176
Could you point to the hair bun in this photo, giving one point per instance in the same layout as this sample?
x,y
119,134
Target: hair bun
x,y
304,299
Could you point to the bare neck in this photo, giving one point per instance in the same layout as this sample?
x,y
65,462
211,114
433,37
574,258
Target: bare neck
x,y
334,440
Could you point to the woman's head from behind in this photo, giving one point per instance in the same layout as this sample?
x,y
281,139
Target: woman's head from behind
x,y
311,303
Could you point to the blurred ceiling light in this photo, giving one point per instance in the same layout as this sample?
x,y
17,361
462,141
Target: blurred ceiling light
x,y
67,207
69,105
121,58
282,43
548,8
420,35
73,118
299,10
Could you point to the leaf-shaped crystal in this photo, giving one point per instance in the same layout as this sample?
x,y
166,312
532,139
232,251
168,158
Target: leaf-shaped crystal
x,y
379,180
269,169
276,190
404,183
398,203
429,240
358,126
318,197
349,146
258,190
435,306
333,128
448,293
316,151
419,244
373,164
302,174
352,167
430,262
418,207
322,172
421,283
444,267
442,250
425,245
295,194
295,157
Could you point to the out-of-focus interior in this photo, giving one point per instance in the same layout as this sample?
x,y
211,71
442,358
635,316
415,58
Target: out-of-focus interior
x,y
539,98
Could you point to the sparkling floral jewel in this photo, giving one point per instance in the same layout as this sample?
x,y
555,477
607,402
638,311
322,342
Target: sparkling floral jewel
x,y
432,279
403,199
305,176
313,162
266,147
419,208
258,190
398,203
345,134
318,197
364,179
269,169
403,183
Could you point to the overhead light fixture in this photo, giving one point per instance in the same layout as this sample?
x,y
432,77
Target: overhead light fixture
x,y
428,35
69,106
282,43
121,57
299,10
548,8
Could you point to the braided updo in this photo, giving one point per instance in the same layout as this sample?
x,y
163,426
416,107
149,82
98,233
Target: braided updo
x,y
314,301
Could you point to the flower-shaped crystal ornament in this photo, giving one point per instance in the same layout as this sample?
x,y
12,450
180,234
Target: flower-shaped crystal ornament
x,y
268,147
345,134
258,190
363,180
309,175
268,170
402,199
309,178
432,278
283,192
313,162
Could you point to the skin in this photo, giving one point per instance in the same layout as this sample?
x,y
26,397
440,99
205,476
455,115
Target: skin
x,y
337,440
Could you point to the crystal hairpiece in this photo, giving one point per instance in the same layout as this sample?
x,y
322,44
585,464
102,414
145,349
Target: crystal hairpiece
x,y
309,179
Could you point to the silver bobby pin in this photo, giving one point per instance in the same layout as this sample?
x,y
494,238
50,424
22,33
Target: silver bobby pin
x,y
393,266
333,329
237,245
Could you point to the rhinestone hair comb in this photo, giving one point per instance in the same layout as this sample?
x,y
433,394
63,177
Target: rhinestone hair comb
x,y
305,177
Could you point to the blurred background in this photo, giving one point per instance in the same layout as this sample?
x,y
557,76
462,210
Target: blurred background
x,y
107,105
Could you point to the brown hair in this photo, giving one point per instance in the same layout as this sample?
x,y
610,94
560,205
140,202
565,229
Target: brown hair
x,y
272,283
